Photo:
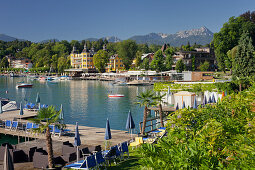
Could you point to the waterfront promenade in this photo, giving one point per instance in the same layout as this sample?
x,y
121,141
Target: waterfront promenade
x,y
88,135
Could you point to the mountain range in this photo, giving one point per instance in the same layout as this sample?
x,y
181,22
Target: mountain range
x,y
199,36
7,38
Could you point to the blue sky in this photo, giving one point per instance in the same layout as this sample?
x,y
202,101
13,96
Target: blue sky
x,y
38,20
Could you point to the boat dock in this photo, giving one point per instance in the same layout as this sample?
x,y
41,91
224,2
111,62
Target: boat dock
x,y
88,135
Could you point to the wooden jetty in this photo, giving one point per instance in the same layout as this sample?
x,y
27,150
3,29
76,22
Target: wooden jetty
x,y
88,135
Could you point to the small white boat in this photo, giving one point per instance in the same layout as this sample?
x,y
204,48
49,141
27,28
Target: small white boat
x,y
24,85
116,95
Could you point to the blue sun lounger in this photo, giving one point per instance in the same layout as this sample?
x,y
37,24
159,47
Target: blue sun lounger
x,y
8,124
29,126
88,163
14,125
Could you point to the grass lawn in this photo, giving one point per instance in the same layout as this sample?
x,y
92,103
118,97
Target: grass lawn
x,y
130,163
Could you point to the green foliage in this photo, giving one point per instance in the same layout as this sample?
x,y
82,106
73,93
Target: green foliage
x,y
46,117
219,136
231,87
158,61
138,60
4,63
145,64
228,38
100,60
193,63
244,61
127,51
180,66
204,66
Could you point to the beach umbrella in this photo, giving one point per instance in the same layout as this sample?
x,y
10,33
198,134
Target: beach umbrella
x,y
205,100
168,90
107,131
177,107
213,99
130,122
1,109
38,98
77,140
38,101
210,99
195,104
8,164
21,109
61,115
183,104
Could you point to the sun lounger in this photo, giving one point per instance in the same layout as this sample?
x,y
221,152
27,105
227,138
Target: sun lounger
x,y
29,127
124,149
138,141
89,162
8,124
60,132
14,125
99,159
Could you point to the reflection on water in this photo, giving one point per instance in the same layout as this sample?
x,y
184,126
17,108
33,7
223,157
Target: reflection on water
x,y
86,102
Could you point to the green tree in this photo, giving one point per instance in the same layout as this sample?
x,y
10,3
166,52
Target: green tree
x,y
205,66
193,63
180,66
45,117
145,99
158,61
244,61
54,62
127,51
4,63
228,38
170,51
62,64
138,60
169,62
158,98
145,64
100,60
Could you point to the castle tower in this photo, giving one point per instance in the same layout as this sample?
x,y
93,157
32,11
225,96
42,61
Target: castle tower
x,y
74,51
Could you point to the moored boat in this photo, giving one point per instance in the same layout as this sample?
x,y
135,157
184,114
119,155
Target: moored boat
x,y
116,95
24,85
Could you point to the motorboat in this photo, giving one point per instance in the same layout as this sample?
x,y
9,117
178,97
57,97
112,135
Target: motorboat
x,y
116,95
24,85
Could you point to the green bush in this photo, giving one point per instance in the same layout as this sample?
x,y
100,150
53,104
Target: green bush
x,y
219,136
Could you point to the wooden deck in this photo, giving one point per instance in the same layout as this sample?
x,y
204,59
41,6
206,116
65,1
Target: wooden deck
x,y
164,109
88,135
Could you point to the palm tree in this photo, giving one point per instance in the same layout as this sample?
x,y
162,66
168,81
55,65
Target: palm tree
x,y
158,98
145,99
45,117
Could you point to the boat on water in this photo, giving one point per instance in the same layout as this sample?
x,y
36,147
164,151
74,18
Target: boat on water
x,y
116,95
24,85
120,84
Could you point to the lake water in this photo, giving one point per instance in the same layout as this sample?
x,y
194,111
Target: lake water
x,y
84,101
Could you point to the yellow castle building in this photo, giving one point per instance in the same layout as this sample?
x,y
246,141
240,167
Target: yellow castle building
x,y
83,60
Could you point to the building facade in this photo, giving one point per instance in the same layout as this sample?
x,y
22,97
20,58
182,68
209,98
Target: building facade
x,y
19,63
115,63
84,60
199,56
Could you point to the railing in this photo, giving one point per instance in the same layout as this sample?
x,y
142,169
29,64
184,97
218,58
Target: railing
x,y
151,124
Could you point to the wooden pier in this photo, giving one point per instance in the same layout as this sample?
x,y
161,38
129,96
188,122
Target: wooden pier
x,y
88,135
